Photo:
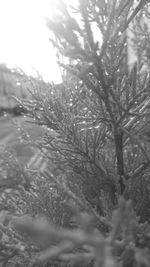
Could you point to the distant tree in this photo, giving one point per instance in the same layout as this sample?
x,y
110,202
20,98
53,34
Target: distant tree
x,y
141,37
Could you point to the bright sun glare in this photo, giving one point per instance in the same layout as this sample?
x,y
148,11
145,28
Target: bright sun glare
x,y
24,38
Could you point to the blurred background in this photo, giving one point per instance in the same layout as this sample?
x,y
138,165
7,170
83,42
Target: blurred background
x,y
26,56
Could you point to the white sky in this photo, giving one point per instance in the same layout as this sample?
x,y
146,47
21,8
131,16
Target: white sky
x,y
24,38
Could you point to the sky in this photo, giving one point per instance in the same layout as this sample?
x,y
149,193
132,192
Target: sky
x,y
24,37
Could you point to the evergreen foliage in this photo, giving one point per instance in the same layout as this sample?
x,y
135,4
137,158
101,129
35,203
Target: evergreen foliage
x,y
89,202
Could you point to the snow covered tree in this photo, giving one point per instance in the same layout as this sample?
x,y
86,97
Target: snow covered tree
x,y
112,102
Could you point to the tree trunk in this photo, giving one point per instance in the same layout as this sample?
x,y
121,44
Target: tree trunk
x,y
119,155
